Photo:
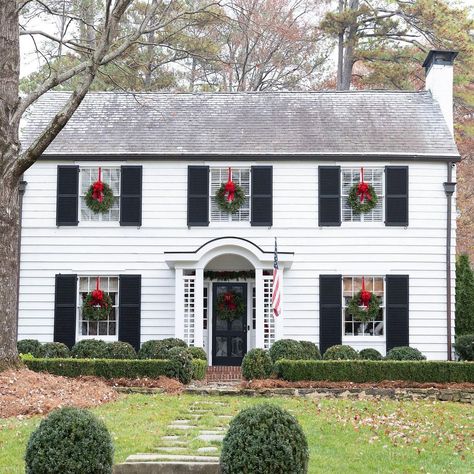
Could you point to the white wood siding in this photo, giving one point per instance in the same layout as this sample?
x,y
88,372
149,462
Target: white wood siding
x,y
107,248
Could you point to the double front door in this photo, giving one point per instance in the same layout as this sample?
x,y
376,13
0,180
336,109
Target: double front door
x,y
229,323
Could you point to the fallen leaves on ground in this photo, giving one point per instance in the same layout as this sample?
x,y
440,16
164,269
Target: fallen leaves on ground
x,y
25,393
167,384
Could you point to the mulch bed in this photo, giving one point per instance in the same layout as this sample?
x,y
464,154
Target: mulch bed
x,y
274,383
167,384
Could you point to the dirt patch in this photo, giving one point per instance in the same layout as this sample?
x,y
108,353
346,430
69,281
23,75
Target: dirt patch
x,y
25,393
274,383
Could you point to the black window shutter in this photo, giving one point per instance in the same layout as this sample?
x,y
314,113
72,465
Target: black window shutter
x,y
65,308
262,196
67,195
131,195
397,311
329,195
396,196
198,196
330,311
130,296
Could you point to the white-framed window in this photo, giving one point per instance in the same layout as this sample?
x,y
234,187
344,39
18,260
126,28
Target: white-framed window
x,y
351,286
108,328
111,176
240,176
372,176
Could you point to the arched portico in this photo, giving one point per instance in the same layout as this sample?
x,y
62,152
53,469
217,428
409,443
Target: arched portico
x,y
194,292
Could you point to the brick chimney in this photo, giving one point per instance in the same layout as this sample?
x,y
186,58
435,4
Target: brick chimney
x,y
439,81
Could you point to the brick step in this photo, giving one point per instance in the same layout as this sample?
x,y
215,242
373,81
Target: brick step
x,y
224,373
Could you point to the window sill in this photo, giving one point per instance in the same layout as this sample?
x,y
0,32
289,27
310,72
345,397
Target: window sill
x,y
224,225
363,338
362,224
99,224
101,338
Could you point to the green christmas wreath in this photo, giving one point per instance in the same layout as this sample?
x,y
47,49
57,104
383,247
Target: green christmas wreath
x,y
96,306
100,197
230,306
369,198
362,313
237,194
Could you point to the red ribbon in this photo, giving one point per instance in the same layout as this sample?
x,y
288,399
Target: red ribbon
x,y
98,188
229,301
230,187
97,295
363,188
365,296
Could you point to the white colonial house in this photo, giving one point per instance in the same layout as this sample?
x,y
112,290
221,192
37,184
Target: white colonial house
x,y
166,252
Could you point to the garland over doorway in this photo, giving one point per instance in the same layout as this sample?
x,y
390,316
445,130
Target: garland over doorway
x,y
228,276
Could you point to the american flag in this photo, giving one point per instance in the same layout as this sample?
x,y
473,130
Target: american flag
x,y
276,293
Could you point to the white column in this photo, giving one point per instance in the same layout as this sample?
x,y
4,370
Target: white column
x,y
198,309
279,329
179,304
259,307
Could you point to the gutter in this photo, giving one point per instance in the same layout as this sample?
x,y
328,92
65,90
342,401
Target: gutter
x,y
449,188
21,192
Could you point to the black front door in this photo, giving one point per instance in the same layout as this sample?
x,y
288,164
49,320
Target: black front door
x,y
229,337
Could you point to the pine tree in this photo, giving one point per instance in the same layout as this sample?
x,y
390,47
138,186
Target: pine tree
x,y
464,296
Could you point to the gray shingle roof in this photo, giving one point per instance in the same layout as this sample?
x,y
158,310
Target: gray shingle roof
x,y
283,123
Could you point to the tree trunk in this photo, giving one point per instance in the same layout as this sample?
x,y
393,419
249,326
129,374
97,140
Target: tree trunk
x,y
340,51
9,239
350,43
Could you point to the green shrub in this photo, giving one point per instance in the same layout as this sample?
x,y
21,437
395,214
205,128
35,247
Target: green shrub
x,y
370,354
89,349
158,349
286,349
310,350
257,364
375,371
180,364
405,353
464,347
199,369
464,296
54,350
70,440
120,350
198,353
341,352
264,439
29,346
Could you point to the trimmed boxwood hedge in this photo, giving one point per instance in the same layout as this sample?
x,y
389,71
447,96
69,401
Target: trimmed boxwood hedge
x,y
110,368
375,371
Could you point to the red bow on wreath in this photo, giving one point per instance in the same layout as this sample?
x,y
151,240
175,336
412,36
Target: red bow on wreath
x,y
97,295
230,187
229,301
365,296
363,188
98,188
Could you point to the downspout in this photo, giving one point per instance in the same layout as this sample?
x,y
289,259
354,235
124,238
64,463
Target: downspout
x,y
21,192
449,188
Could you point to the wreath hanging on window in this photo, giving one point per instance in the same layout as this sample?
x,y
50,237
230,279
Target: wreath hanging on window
x,y
364,306
100,197
230,306
96,305
230,197
362,196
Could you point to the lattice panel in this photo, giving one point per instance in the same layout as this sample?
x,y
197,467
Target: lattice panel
x,y
189,305
268,319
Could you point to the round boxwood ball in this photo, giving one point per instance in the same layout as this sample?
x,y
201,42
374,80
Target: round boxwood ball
x,y
70,440
340,352
158,349
29,346
198,353
264,439
257,364
311,350
404,353
180,364
465,347
370,354
54,350
286,349
89,349
120,350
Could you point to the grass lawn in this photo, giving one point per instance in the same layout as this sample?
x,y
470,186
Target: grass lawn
x,y
344,436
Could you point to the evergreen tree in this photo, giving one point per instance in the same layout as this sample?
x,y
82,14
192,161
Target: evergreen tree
x,y
464,296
